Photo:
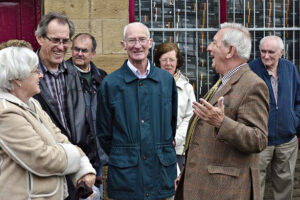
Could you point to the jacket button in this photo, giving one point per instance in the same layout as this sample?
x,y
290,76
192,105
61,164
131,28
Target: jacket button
x,y
144,158
140,83
147,194
142,121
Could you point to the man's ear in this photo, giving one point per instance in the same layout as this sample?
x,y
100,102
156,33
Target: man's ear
x,y
231,52
39,39
123,43
281,52
151,43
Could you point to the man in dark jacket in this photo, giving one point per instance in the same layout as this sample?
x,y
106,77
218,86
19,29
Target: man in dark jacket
x,y
282,79
61,95
83,51
136,123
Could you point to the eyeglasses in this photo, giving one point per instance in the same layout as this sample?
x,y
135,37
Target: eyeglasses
x,y
133,41
37,71
58,41
165,60
76,49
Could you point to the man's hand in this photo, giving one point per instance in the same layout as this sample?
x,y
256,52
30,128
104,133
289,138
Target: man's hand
x,y
80,151
89,180
210,114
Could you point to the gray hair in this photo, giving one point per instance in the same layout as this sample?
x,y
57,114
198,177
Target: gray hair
x,y
239,37
94,42
135,24
15,63
42,28
272,37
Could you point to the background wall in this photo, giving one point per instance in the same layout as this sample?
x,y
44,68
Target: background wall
x,y
104,19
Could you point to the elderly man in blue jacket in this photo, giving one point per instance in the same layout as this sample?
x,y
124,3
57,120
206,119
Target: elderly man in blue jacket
x,y
136,123
282,79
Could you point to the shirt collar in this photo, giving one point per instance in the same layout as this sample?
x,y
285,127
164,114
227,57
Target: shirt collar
x,y
137,71
78,68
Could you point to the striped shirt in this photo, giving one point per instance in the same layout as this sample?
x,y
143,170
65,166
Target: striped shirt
x,y
55,81
229,74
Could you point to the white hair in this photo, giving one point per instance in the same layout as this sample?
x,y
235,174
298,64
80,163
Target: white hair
x,y
239,37
135,24
15,63
272,37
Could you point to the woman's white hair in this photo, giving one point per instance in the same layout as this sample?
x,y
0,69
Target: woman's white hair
x,y
16,63
239,37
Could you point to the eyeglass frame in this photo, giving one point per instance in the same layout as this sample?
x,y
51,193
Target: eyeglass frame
x,y
141,41
37,71
57,41
165,60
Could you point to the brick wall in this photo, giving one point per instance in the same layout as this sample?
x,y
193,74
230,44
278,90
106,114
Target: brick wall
x,y
296,195
104,19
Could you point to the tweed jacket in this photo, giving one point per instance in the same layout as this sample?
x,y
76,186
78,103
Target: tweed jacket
x,y
222,164
34,155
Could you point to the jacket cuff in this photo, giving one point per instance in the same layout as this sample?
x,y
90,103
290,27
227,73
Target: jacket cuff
x,y
73,158
85,168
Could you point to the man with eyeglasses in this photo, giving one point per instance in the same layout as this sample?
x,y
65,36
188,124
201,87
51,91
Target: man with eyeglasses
x,y
136,123
61,93
282,79
83,51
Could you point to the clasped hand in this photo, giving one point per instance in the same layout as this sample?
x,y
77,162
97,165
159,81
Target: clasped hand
x,y
210,114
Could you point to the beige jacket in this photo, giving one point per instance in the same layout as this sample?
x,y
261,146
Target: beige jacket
x,y
34,155
186,97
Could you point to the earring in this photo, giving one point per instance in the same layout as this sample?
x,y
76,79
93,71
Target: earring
x,y
19,84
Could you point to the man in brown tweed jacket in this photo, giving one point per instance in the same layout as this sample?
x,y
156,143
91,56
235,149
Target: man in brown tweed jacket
x,y
230,128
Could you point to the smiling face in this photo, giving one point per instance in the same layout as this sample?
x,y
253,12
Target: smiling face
x,y
30,86
137,43
82,53
218,52
168,62
53,54
270,53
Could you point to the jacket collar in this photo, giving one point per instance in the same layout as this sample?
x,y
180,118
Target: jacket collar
x,y
129,76
15,100
227,87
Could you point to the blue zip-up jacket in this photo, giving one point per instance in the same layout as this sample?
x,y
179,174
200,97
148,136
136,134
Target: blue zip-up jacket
x,y
136,125
283,117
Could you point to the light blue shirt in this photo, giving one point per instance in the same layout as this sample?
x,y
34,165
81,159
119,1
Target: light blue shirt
x,y
138,72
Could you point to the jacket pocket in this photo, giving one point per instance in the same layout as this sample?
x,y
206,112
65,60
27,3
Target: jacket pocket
x,y
230,171
168,171
43,186
122,171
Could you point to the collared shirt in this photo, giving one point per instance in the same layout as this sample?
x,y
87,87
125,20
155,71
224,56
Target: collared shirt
x,y
55,81
274,83
138,72
228,76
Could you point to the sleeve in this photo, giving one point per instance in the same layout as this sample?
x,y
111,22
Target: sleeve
x,y
249,131
57,134
26,147
104,119
297,95
183,126
85,168
174,107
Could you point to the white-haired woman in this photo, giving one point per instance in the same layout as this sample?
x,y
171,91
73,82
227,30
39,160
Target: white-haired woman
x,y
34,155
